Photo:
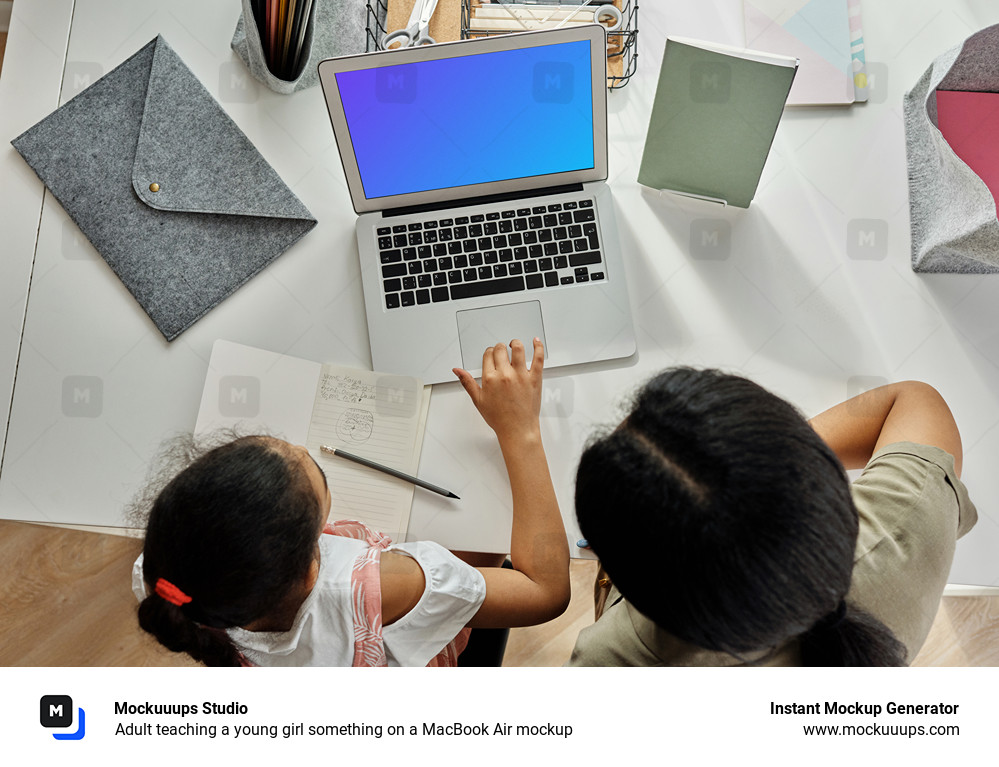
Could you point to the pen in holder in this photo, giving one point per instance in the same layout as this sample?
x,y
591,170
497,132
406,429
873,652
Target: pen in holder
x,y
282,41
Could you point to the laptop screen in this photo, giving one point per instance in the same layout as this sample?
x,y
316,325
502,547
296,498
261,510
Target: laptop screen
x,y
473,119
500,115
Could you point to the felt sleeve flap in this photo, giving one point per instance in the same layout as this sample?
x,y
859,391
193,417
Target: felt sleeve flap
x,y
195,157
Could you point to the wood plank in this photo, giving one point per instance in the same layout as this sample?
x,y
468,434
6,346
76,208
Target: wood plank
x,y
964,633
67,601
550,644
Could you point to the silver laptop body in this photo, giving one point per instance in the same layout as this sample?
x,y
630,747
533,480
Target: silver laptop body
x,y
477,169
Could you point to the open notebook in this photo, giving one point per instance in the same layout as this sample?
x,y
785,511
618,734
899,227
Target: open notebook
x,y
376,416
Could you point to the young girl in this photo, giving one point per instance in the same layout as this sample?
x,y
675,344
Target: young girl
x,y
236,568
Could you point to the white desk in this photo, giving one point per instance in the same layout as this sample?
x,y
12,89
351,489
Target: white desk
x,y
794,292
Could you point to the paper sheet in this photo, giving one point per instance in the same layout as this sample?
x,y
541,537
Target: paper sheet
x,y
858,55
375,416
818,32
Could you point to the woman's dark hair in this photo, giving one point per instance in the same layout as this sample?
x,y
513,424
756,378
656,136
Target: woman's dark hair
x,y
235,531
721,515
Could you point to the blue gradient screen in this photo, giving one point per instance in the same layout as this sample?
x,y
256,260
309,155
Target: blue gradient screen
x,y
471,119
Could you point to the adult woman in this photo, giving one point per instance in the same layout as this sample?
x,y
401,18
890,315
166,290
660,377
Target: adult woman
x,y
732,535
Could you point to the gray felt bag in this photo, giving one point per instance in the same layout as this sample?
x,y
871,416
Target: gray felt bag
x,y
165,186
952,211
336,28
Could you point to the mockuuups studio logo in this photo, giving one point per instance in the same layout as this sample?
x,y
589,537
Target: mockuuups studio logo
x,y
396,85
80,75
710,239
235,83
74,245
56,712
856,385
239,396
874,79
558,398
553,82
82,396
395,396
867,239
710,82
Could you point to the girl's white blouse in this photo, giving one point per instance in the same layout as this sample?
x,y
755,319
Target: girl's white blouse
x,y
323,631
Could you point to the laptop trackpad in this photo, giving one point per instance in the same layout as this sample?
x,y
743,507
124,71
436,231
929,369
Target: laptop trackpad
x,y
478,329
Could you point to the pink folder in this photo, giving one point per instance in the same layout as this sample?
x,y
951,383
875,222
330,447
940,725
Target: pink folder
x,y
970,123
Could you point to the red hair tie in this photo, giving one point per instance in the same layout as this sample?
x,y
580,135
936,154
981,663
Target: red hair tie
x,y
171,593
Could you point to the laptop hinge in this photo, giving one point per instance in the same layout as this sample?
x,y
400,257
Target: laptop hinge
x,y
484,200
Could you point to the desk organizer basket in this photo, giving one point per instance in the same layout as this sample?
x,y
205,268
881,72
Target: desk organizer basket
x,y
622,44
375,27
952,211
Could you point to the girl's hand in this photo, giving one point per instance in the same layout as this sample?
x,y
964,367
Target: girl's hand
x,y
509,398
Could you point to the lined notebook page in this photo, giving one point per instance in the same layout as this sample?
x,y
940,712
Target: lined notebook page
x,y
375,416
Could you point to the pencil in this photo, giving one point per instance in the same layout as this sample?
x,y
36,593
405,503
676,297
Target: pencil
x,y
286,44
392,472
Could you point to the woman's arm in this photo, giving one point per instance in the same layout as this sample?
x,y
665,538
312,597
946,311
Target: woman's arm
x,y
909,411
509,400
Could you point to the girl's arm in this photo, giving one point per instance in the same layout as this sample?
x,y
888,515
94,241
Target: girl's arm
x,y
909,411
509,400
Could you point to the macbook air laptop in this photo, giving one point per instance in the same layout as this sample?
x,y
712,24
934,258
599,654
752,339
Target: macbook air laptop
x,y
477,169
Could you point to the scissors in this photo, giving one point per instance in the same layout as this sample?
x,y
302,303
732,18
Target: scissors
x,y
416,31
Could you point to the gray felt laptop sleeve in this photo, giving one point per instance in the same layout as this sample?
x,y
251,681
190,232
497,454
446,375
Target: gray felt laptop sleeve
x,y
952,212
220,212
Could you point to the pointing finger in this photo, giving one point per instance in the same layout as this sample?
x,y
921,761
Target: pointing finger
x,y
488,361
501,357
519,356
538,363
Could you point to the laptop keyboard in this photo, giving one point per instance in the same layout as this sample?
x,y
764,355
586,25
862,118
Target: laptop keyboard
x,y
501,251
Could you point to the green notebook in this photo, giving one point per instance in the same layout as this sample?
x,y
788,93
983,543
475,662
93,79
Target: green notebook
x,y
713,120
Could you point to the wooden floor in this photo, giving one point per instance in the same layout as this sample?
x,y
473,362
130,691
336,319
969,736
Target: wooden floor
x,y
965,632
66,601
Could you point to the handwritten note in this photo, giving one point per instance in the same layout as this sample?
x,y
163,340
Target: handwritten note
x,y
377,416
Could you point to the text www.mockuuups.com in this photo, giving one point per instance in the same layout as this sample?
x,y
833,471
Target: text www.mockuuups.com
x,y
870,712
896,730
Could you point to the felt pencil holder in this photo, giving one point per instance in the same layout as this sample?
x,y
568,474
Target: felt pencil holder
x,y
334,28
952,211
